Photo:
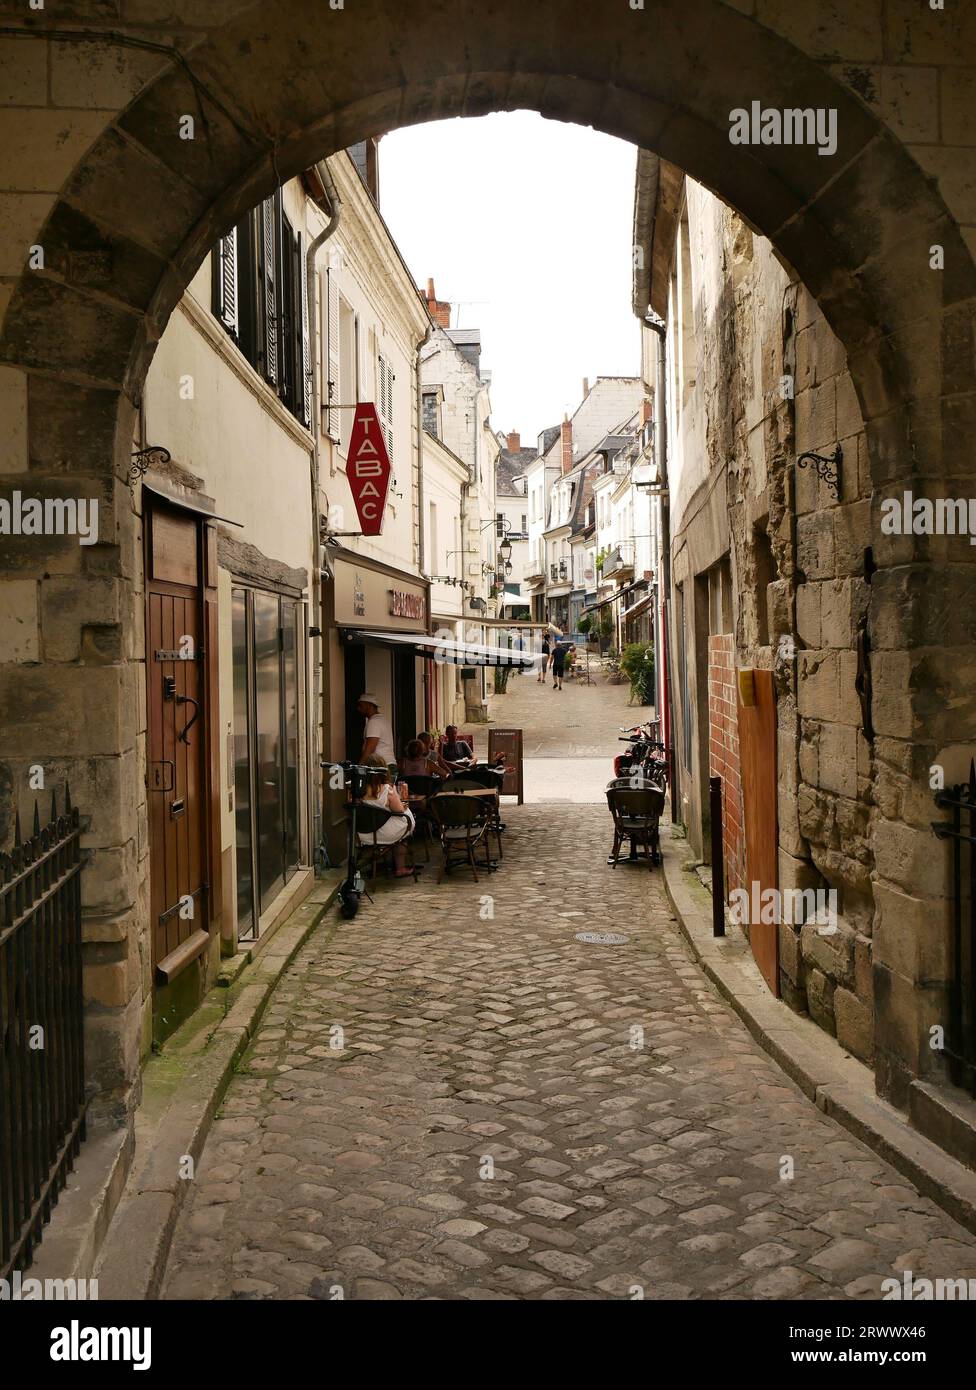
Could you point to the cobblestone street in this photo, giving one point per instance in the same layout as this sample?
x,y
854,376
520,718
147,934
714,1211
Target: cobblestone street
x,y
514,1114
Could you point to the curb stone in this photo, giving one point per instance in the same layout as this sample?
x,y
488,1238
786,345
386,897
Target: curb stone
x,y
182,1090
837,1083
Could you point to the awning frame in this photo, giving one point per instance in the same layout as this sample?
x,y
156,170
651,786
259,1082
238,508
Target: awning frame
x,y
431,648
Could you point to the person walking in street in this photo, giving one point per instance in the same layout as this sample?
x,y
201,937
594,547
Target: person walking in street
x,y
545,657
558,666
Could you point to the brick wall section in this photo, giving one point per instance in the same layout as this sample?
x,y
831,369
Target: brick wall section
x,y
723,754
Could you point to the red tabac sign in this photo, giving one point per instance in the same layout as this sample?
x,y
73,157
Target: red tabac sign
x,y
368,468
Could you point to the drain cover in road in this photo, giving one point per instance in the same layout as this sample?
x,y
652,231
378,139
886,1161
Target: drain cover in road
x,y
601,938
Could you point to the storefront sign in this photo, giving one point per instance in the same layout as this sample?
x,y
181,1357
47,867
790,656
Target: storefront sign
x,y
368,469
406,605
377,598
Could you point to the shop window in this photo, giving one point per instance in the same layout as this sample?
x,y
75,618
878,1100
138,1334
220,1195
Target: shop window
x,y
269,679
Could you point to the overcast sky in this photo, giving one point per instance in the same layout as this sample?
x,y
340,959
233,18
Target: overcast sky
x,y
526,227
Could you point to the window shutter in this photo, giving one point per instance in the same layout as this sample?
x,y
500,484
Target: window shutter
x,y
332,396
385,403
288,348
304,361
225,296
269,275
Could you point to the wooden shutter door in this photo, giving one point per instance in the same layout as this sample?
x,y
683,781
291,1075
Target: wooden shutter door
x,y
332,397
386,403
269,276
225,292
303,361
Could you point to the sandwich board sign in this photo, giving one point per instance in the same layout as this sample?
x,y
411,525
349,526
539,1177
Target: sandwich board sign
x,y
368,468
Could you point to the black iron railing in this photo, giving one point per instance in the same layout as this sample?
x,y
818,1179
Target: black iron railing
x,y
42,1077
960,830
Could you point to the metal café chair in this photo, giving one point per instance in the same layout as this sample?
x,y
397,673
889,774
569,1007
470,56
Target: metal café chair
x,y
466,781
636,813
462,823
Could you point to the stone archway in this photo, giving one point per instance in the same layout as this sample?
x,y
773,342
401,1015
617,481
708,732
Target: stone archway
x,y
125,210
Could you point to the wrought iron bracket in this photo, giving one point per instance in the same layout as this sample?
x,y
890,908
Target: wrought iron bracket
x,y
828,468
143,460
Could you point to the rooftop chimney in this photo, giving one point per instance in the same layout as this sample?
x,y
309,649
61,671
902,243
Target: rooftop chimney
x,y
439,309
586,387
645,412
513,443
567,444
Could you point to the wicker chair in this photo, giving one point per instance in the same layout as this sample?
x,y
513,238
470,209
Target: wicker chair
x,y
421,785
467,781
636,814
462,823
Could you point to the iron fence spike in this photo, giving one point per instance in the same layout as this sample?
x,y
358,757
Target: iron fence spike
x,y
17,839
67,798
37,817
54,805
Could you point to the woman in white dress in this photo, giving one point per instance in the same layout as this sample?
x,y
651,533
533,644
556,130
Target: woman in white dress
x,y
383,796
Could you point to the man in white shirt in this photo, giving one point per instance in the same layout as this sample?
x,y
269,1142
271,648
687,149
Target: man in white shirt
x,y
377,735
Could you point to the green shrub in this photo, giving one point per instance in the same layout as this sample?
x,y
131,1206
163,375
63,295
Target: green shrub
x,y
637,663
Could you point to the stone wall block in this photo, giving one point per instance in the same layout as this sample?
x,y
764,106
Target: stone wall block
x,y
817,684
13,413
101,186
21,220
58,328
839,759
852,533
19,628
816,418
67,711
957,90
820,1001
855,1024
100,74
808,615
112,1045
912,860
108,882
72,427
832,954
836,613
88,256
891,694
68,606
219,152
41,147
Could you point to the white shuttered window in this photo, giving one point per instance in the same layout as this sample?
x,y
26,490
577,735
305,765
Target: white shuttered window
x,y
331,393
384,405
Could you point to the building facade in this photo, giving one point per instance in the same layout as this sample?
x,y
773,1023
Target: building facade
x,y
780,679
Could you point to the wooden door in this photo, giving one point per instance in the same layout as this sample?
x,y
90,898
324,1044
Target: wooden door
x,y
178,732
757,756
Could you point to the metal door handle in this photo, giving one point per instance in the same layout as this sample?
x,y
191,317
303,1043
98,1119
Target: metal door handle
x,y
188,700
